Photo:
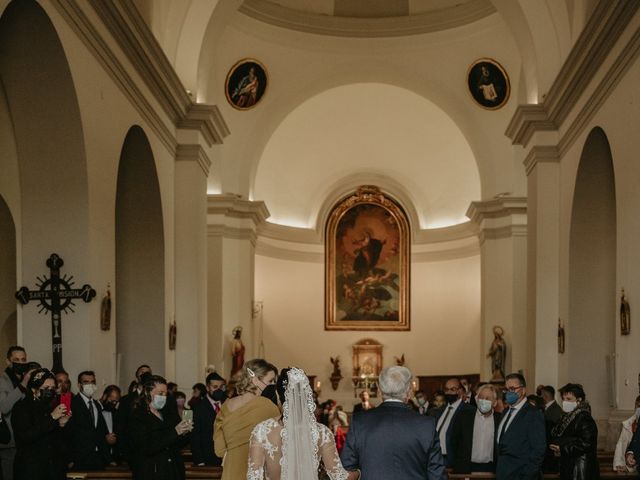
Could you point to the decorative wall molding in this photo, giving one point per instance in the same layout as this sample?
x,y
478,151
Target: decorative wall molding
x,y
234,233
194,152
502,217
596,41
141,48
234,206
541,154
419,23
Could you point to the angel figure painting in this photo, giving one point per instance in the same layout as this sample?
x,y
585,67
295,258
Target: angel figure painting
x,y
367,264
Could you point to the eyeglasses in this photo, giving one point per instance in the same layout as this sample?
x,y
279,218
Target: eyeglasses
x,y
513,389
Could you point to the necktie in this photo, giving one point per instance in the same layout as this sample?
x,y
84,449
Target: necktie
x,y
92,414
444,419
216,407
506,422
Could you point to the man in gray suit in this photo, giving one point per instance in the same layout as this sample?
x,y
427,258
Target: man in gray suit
x,y
392,441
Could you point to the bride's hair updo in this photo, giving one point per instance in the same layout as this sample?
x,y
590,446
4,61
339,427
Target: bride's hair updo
x,y
258,367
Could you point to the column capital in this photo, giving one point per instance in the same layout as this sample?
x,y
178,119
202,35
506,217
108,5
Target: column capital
x,y
232,216
541,154
499,217
194,153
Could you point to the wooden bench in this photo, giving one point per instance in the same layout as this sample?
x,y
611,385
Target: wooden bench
x,y
192,473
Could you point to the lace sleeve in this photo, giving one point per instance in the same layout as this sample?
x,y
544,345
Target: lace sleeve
x,y
257,458
329,455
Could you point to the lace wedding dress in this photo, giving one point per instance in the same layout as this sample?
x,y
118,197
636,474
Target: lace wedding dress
x,y
292,449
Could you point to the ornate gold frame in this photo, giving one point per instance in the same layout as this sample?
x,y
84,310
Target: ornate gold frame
x,y
372,195
496,64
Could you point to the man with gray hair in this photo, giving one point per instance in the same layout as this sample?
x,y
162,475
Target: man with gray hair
x,y
392,440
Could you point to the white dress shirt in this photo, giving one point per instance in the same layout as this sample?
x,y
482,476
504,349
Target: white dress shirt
x,y
444,422
514,411
484,429
108,418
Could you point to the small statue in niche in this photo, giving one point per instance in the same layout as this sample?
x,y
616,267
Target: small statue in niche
x,y
336,375
560,336
625,315
237,351
105,311
498,354
400,361
173,334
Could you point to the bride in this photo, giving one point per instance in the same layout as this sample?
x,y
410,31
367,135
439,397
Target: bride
x,y
291,447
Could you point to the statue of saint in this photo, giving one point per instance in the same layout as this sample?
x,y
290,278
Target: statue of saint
x,y
498,355
625,315
560,336
237,351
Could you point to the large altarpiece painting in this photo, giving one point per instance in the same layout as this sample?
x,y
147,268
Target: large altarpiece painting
x,y
367,263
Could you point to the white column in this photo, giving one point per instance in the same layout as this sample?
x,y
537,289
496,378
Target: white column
x,y
502,231
543,174
231,239
191,171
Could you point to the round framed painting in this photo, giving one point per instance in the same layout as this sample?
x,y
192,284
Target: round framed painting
x,y
246,84
488,84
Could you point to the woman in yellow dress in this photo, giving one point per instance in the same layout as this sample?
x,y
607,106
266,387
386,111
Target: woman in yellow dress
x,y
239,415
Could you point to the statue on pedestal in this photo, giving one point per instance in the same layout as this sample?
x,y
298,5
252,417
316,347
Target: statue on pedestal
x,y
625,315
237,351
498,354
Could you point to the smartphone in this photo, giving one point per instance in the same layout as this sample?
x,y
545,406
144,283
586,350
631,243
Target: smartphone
x,y
65,399
187,415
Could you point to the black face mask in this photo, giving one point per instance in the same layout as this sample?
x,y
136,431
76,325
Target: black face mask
x,y
451,398
110,406
46,395
218,395
20,368
270,392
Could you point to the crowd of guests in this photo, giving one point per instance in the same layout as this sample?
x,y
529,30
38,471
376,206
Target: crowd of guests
x,y
47,429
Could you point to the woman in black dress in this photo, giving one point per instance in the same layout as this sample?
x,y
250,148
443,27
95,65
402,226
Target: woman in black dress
x,y
157,435
37,427
575,439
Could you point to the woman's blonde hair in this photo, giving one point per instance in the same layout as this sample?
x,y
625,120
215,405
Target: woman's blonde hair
x,y
257,367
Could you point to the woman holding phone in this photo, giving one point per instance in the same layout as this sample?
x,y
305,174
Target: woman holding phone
x,y
157,435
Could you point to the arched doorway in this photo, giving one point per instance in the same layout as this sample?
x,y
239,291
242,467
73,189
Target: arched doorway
x,y
592,273
53,191
140,324
8,315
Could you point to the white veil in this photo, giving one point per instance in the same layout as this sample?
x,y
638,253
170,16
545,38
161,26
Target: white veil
x,y
300,435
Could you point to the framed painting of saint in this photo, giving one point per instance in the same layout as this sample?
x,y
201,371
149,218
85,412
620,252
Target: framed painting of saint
x,y
246,84
488,84
367,263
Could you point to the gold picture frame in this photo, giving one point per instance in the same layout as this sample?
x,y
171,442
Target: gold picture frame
x,y
367,263
246,84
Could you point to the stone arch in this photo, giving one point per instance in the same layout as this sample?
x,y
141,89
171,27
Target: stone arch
x,y
592,273
140,270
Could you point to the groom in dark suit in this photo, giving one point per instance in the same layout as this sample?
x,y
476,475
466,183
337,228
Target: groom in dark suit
x,y
392,441
520,439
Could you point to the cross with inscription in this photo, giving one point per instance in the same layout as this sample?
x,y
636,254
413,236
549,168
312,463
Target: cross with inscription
x,y
56,295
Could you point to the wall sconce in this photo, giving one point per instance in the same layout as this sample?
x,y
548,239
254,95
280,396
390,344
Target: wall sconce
x,y
318,387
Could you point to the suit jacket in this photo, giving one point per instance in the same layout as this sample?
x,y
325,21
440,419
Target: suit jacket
x,y
553,413
202,448
462,439
156,445
462,407
124,413
87,443
393,441
520,451
358,408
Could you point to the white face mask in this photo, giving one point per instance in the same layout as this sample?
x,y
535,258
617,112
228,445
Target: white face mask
x,y
89,389
484,406
568,406
158,402
637,412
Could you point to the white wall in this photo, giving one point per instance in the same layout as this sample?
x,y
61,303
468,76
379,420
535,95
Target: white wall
x,y
445,321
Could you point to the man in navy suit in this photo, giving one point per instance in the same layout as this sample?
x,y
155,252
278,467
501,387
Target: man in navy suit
x,y
392,441
521,439
204,416
447,416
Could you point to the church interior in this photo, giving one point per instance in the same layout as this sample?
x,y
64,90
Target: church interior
x,y
130,148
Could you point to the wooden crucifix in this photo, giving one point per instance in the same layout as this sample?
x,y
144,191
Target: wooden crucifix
x,y
56,295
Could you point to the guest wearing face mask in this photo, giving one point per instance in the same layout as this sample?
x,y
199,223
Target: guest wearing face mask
x,y
87,430
38,430
473,435
204,416
521,439
629,427
575,439
110,402
420,403
239,415
181,400
13,386
157,435
447,417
